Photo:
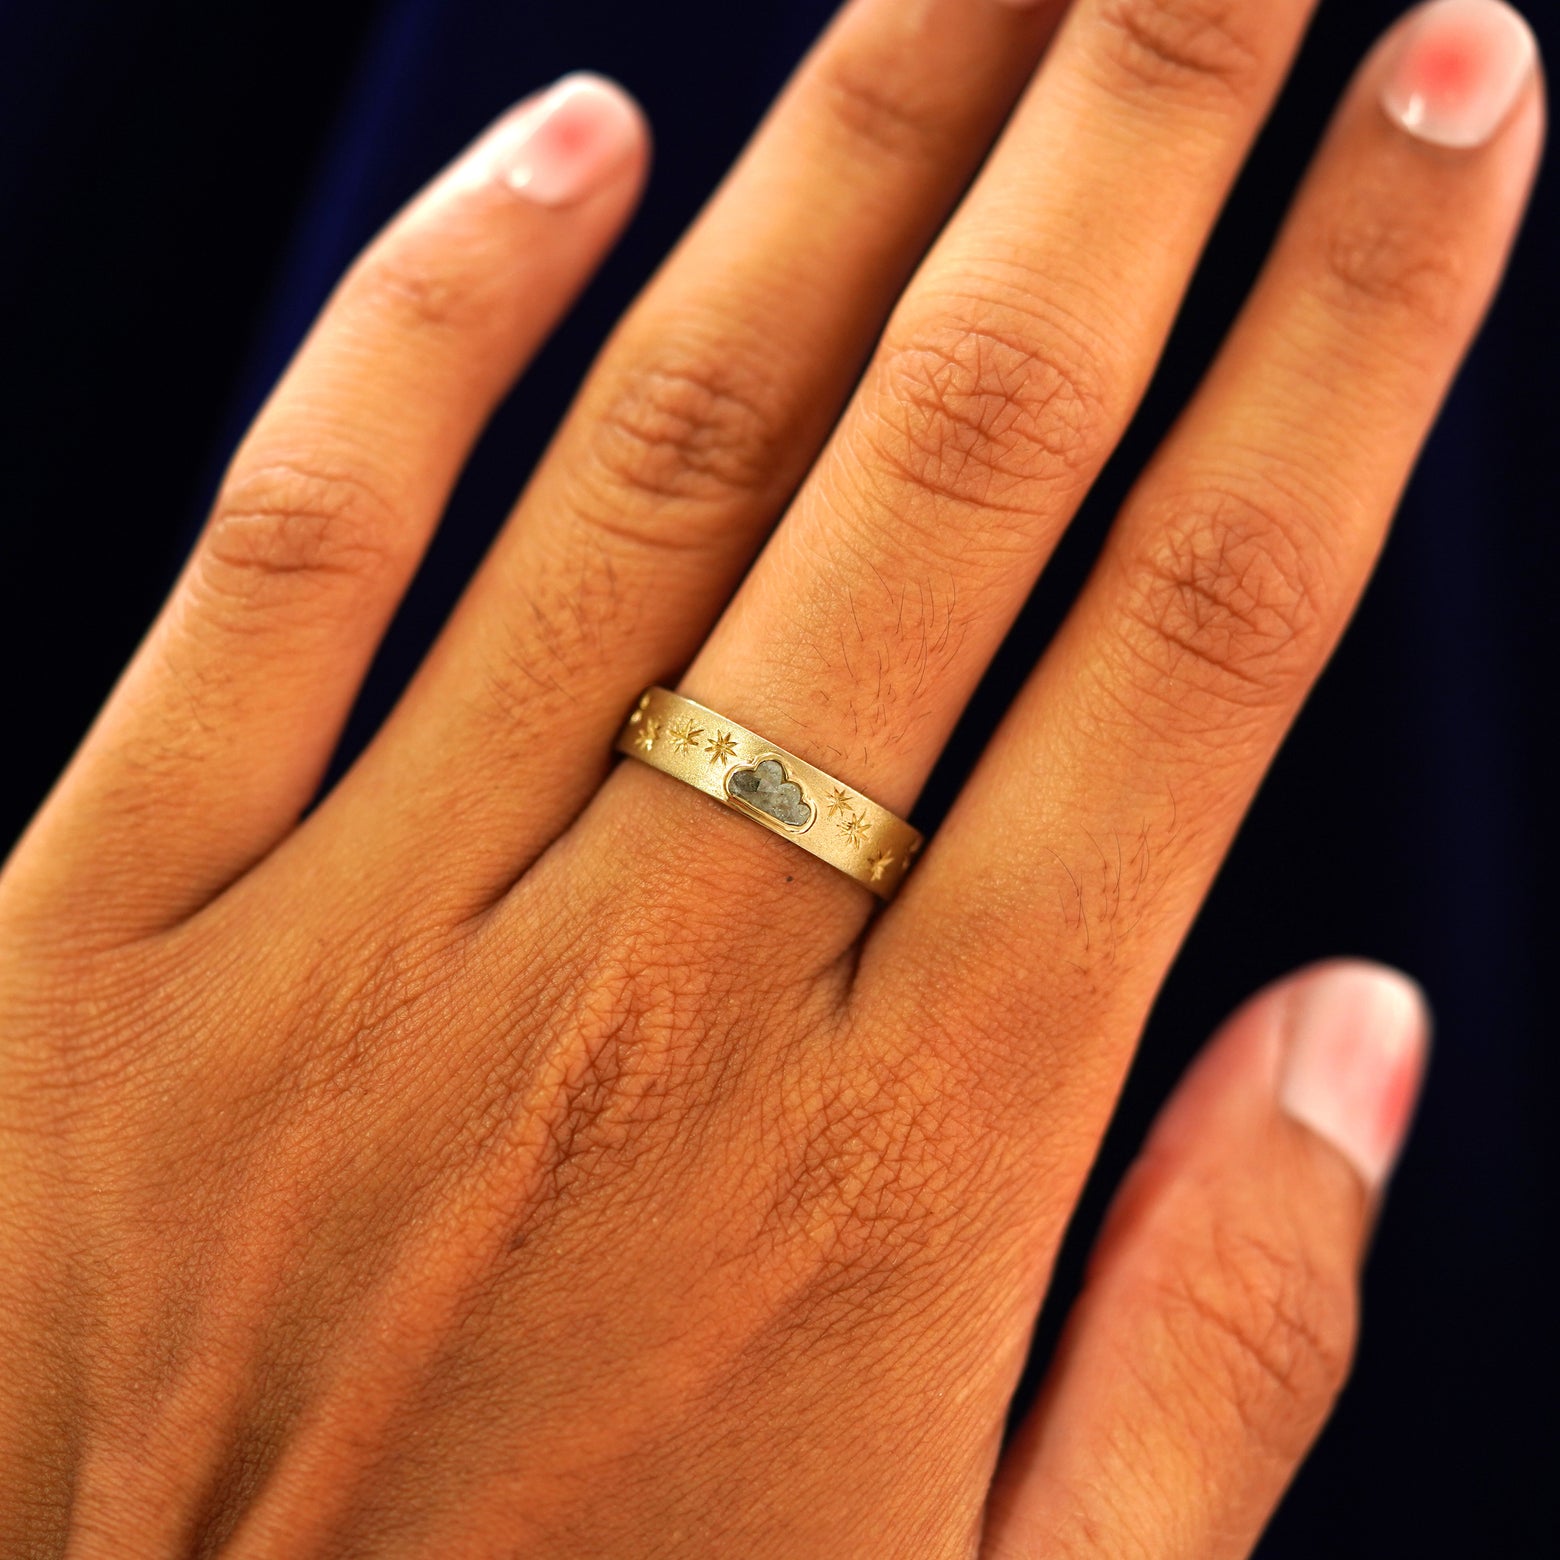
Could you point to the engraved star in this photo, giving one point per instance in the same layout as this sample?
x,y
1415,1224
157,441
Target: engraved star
x,y
722,749
648,732
686,735
880,864
838,800
854,829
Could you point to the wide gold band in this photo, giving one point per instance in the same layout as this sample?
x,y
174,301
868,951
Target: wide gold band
x,y
772,787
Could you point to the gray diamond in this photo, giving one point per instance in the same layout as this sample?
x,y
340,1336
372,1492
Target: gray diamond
x,y
766,788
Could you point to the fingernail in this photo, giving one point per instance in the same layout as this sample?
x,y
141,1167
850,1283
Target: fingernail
x,y
570,142
1460,68
1357,1036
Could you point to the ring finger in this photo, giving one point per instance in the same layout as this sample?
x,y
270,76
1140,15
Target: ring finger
x,y
1005,378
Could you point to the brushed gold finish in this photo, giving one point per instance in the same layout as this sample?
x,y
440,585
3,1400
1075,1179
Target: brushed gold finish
x,y
784,793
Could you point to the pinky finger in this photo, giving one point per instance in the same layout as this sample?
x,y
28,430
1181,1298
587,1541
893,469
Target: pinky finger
x,y
1219,1320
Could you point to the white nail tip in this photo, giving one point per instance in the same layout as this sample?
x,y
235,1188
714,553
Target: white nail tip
x,y
1356,1036
1460,67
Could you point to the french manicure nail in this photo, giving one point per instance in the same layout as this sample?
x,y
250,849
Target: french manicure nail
x,y
570,141
1357,1036
1460,67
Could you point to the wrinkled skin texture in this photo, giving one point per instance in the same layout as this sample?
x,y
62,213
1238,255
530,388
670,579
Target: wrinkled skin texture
x,y
509,1157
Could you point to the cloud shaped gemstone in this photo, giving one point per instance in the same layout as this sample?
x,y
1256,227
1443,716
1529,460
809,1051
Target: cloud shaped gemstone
x,y
766,788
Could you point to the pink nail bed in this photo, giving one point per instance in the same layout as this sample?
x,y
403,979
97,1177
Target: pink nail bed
x,y
1460,67
1356,1044
570,141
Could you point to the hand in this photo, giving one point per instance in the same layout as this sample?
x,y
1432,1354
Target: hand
x,y
511,1157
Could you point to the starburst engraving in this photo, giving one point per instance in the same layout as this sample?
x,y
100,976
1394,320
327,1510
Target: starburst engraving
x,y
648,731
854,828
838,800
721,748
880,863
686,735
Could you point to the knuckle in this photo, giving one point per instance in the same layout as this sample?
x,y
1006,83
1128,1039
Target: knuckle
x,y
978,411
870,99
418,284
1266,1329
1203,46
1223,604
286,530
686,423
1379,259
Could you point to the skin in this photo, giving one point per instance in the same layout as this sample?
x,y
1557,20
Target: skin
x,y
449,1171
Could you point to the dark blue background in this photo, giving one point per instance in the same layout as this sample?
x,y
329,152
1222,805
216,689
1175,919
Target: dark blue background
x,y
179,185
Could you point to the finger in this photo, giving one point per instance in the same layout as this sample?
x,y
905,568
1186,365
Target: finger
x,y
220,730
703,414
1092,828
1004,379
1219,1317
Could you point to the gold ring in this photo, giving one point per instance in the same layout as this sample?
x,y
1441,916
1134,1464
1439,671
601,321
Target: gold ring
x,y
772,787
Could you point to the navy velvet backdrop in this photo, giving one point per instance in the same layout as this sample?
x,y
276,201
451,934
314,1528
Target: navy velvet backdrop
x,y
179,185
